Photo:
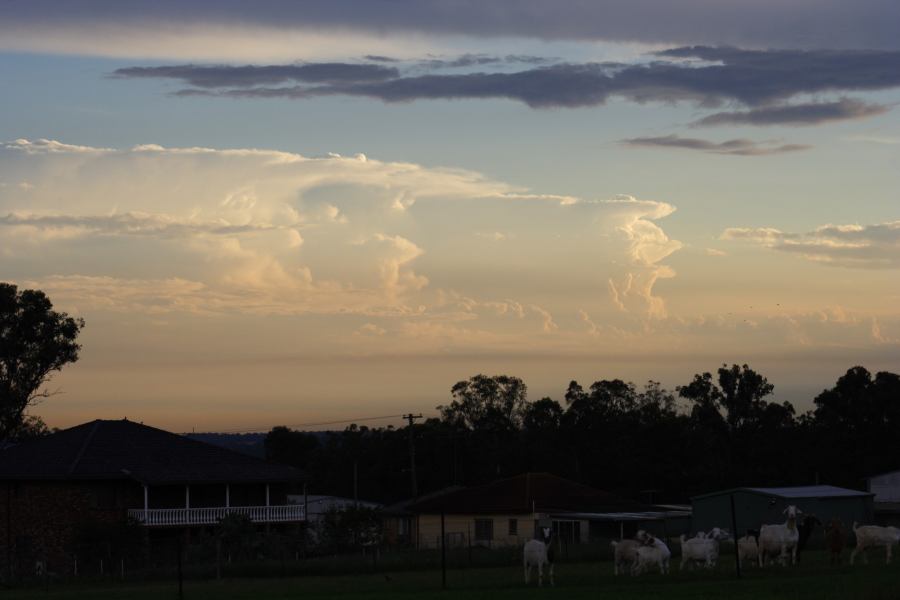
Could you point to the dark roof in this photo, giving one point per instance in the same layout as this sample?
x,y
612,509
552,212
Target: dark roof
x,y
104,450
402,508
804,491
526,493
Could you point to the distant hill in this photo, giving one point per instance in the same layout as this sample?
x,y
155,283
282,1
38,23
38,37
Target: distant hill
x,y
246,443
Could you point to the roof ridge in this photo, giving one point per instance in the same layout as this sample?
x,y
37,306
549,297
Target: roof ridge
x,y
83,449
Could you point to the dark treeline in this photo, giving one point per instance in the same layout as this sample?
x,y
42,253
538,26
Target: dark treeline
x,y
719,430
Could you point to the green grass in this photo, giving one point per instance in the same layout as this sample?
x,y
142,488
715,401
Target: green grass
x,y
813,580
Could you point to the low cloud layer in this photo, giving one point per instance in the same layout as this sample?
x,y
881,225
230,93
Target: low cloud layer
x,y
736,147
861,246
815,113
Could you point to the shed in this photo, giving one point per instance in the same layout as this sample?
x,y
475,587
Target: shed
x,y
886,487
755,506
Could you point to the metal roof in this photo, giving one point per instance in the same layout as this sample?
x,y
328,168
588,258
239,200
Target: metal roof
x,y
624,516
805,491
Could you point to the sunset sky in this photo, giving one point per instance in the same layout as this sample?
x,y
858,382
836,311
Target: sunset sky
x,y
287,213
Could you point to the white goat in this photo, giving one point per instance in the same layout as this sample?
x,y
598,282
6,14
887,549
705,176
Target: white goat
x,y
869,536
781,538
653,552
748,549
703,550
538,553
625,553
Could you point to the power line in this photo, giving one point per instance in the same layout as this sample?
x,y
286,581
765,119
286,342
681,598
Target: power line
x,y
320,424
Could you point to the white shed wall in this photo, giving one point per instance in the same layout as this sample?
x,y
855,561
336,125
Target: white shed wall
x,y
886,487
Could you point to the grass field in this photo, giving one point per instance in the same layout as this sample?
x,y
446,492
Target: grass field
x,y
813,580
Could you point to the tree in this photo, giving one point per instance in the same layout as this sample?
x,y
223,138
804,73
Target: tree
x,y
487,403
290,447
739,395
35,341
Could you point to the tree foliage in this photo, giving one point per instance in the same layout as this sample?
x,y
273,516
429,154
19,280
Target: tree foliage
x,y
722,429
35,341
483,402
290,447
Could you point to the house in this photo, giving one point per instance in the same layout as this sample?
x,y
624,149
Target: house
x,y
508,512
755,506
112,471
317,505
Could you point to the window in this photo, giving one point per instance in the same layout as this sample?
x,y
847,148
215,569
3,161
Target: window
x,y
513,527
484,530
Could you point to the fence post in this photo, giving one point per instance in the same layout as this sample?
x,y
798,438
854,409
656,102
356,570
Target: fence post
x,y
180,573
443,553
737,557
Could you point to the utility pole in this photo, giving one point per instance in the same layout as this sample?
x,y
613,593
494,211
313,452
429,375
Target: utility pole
x,y
414,487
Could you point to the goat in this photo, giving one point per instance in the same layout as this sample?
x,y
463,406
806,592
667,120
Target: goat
x,y
653,552
834,538
868,536
625,553
748,547
804,531
782,537
703,550
537,553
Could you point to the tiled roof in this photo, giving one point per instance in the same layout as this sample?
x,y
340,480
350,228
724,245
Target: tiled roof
x,y
526,493
103,450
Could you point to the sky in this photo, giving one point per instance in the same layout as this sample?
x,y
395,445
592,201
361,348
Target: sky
x,y
297,213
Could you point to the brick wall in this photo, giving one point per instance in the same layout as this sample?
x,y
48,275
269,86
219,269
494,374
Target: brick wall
x,y
39,522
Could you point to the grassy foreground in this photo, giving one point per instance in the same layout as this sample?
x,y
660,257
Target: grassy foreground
x,y
813,580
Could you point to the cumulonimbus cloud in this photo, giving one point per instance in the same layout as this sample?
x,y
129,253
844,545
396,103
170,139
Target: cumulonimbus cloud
x,y
255,231
863,246
737,147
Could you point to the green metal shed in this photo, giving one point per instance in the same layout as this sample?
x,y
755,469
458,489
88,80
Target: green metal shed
x,y
755,506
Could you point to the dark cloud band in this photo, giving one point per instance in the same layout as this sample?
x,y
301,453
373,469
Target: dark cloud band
x,y
707,76
222,76
737,147
799,114
757,23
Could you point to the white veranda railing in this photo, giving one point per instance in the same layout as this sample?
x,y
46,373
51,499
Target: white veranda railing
x,y
212,515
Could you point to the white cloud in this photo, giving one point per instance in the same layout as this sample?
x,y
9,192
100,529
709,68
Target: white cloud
x,y
256,232
648,245
862,246
547,323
